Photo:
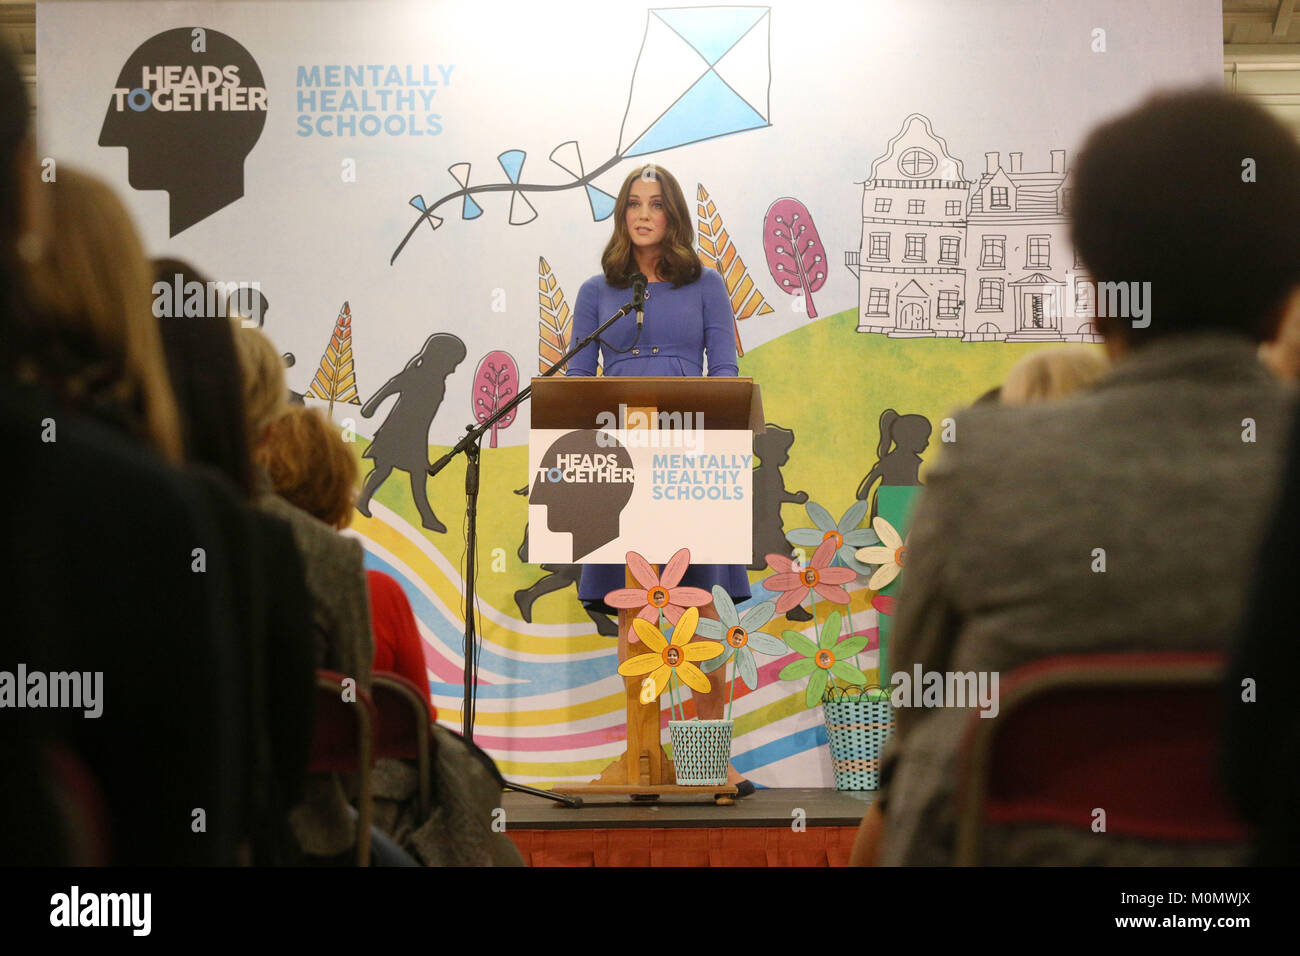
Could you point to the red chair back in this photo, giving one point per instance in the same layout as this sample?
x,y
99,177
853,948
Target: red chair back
x,y
402,728
342,743
1135,734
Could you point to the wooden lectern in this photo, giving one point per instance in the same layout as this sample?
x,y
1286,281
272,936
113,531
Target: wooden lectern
x,y
644,771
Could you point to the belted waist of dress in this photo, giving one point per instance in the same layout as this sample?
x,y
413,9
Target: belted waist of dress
x,y
684,354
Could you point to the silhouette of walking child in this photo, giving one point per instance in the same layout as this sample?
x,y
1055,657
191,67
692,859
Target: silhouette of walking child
x,y
402,441
772,449
902,439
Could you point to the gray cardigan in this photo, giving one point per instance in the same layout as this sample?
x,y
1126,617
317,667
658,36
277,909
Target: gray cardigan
x,y
1150,466
336,579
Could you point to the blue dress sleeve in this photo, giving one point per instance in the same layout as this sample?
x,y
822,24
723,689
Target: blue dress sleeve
x,y
719,326
585,321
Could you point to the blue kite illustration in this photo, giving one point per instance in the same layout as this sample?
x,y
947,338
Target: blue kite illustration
x,y
701,73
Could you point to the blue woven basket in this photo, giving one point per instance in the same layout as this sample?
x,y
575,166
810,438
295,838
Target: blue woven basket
x,y
701,751
857,728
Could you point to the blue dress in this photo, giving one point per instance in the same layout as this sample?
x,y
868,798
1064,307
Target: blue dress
x,y
682,325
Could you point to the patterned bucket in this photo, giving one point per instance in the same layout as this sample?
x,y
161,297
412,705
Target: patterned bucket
x,y
701,751
858,729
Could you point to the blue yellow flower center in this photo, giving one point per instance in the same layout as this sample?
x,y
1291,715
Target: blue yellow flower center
x,y
834,536
672,655
737,636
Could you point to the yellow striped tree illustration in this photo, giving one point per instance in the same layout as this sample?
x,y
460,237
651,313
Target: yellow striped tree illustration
x,y
719,252
555,325
336,380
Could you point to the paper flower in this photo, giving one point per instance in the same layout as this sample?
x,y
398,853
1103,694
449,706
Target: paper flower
x,y
845,532
824,659
884,603
658,592
890,554
667,658
819,576
741,636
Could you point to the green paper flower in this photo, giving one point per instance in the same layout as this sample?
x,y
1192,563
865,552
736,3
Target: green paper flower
x,y
741,635
822,660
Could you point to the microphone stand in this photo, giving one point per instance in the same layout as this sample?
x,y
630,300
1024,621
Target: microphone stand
x,y
470,445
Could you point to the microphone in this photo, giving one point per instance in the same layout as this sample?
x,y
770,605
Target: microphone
x,y
638,298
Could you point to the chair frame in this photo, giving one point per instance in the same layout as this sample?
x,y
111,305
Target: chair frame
x,y
364,715
1154,669
410,694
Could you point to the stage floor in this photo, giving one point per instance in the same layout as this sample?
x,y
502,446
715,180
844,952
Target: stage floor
x,y
764,808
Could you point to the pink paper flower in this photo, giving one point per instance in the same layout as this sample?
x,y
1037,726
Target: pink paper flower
x,y
819,576
658,592
884,603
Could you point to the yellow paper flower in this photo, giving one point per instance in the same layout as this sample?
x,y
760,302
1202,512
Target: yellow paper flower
x,y
668,657
890,554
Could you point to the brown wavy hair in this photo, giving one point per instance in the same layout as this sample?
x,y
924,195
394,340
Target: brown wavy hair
x,y
678,261
310,466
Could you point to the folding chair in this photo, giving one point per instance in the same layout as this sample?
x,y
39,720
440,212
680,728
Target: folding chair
x,y
1136,734
341,743
402,729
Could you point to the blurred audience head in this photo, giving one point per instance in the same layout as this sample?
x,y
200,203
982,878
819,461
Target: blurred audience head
x,y
310,466
1052,373
1198,194
265,391
207,383
1281,354
91,283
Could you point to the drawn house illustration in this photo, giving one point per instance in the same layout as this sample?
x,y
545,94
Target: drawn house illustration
x,y
987,260
1022,284
909,265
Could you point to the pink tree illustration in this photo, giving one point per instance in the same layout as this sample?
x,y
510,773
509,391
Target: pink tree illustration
x,y
495,383
795,254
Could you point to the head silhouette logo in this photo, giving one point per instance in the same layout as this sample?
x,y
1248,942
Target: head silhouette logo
x,y
585,485
189,106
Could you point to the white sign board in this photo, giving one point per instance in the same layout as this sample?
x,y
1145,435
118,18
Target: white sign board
x,y
595,495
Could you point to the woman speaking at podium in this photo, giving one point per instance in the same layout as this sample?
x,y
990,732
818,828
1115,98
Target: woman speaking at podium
x,y
688,317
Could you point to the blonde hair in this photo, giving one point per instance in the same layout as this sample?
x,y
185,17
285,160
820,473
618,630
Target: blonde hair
x,y
265,391
1052,373
94,282
310,466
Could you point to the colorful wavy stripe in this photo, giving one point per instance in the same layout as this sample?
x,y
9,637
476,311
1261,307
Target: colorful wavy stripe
x,y
550,707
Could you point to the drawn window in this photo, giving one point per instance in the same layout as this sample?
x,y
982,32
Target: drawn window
x,y
916,162
879,245
878,303
1078,260
948,250
915,247
948,303
1000,198
993,252
952,207
915,207
990,295
882,205
1083,297
1039,255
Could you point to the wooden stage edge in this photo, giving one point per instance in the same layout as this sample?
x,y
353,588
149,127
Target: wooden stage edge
x,y
694,807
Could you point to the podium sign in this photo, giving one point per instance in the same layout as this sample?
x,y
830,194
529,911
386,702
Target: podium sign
x,y
595,494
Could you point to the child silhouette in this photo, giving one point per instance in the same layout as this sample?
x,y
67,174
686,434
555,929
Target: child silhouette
x,y
772,449
402,441
902,439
